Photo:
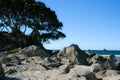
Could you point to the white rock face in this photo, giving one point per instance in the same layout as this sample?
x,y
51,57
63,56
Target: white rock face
x,y
112,78
108,75
80,70
73,54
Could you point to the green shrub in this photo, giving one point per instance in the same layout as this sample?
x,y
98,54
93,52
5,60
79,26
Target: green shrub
x,y
13,51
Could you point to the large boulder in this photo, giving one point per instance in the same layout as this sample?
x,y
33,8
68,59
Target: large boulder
x,y
96,67
108,75
103,62
80,70
99,63
73,54
2,74
34,51
97,59
112,78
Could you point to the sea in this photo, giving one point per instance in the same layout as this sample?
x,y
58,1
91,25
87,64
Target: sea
x,y
107,53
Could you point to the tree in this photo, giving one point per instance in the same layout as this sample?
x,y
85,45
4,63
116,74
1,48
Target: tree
x,y
17,16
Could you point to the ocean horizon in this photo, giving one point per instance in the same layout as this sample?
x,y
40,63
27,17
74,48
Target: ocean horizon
x,y
105,52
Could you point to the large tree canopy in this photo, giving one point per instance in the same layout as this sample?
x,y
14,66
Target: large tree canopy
x,y
17,16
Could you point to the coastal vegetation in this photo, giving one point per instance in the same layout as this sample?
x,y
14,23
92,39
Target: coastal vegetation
x,y
13,51
27,22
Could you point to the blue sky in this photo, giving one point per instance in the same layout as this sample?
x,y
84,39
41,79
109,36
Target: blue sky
x,y
91,24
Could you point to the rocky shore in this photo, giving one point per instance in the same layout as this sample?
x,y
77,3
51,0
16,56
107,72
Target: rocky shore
x,y
71,63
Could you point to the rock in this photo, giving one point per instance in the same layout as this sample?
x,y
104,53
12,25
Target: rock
x,y
57,74
50,63
35,63
112,73
65,69
11,60
2,74
96,67
34,51
73,54
101,66
97,59
112,61
33,67
106,62
55,52
11,71
80,70
100,74
10,64
5,60
108,75
118,66
77,78
99,63
112,78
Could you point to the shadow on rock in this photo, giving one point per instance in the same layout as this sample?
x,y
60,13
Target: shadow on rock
x,y
9,78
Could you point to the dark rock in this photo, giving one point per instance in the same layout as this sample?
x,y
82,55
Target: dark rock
x,y
11,71
9,78
99,79
10,64
2,74
118,66
112,61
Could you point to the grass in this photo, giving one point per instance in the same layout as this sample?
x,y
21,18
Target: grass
x,y
13,51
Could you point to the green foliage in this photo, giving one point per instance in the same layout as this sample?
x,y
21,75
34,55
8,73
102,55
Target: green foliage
x,y
13,51
17,16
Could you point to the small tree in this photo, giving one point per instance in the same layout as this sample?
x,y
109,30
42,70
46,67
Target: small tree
x,y
17,16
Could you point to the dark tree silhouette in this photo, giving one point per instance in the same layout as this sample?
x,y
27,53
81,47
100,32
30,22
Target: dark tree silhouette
x,y
17,16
